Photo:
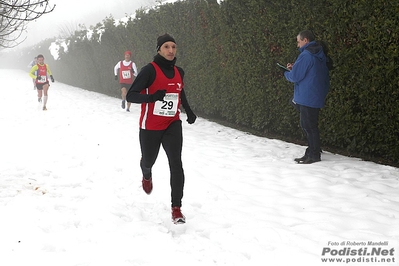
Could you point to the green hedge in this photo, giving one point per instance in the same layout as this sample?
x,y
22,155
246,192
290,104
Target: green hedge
x,y
229,52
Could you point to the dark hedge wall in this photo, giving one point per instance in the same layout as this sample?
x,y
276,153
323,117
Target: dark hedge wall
x,y
229,52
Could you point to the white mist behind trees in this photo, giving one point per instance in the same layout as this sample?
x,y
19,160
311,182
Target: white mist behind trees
x,y
69,15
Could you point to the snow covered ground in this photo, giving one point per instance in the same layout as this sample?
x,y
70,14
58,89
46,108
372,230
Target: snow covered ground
x,y
70,193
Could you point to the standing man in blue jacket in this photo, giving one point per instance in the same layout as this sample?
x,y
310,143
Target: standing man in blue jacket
x,y
311,81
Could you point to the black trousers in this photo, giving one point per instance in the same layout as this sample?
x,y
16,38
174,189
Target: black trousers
x,y
309,122
172,142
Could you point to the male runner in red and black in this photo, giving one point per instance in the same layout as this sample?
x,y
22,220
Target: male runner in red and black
x,y
159,88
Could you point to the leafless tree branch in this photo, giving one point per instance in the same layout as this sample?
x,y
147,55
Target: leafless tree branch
x,y
14,17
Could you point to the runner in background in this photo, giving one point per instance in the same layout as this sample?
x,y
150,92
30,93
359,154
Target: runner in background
x,y
31,64
40,73
127,73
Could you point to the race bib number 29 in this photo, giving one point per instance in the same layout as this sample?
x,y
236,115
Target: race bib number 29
x,y
167,107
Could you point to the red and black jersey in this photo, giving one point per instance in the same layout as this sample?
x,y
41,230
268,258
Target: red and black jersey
x,y
160,114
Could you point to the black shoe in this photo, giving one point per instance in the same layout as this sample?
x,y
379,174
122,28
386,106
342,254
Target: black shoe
x,y
303,158
123,104
309,161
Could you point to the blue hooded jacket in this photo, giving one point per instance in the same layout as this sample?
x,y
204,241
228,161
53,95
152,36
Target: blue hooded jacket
x,y
310,76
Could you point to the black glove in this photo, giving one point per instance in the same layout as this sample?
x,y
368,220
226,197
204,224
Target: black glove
x,y
191,117
157,96
38,77
116,77
51,77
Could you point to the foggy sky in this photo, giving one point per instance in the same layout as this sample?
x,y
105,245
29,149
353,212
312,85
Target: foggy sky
x,y
69,14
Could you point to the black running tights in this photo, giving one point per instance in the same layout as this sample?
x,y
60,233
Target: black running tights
x,y
172,142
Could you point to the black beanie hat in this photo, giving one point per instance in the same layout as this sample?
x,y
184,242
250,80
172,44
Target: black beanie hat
x,y
163,39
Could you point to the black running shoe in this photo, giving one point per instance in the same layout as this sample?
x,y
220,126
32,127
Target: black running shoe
x,y
303,158
309,161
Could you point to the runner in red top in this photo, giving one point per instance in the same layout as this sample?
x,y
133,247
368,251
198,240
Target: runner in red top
x,y
127,73
159,88
160,114
41,72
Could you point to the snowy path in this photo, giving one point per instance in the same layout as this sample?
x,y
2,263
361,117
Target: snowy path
x,y
70,191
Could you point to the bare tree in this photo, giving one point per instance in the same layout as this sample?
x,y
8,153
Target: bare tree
x,y
68,29
14,16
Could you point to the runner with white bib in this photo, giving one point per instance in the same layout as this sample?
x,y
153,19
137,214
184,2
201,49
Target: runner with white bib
x,y
159,88
41,73
127,73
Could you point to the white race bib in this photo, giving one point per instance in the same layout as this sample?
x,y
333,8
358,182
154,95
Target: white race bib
x,y
167,107
42,79
126,74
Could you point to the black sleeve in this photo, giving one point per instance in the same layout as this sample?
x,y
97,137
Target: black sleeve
x,y
183,97
143,80
184,101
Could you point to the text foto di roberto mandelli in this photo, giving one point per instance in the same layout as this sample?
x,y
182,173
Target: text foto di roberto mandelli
x,y
358,243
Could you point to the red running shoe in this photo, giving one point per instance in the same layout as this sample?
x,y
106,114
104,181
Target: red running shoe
x,y
177,216
147,185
